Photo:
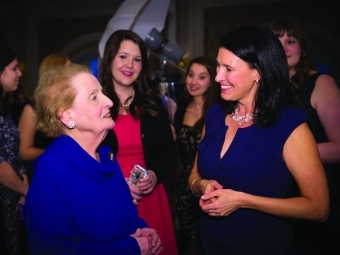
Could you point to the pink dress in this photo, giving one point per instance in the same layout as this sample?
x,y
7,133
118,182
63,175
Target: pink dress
x,y
153,208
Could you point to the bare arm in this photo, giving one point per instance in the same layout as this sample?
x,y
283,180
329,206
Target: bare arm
x,y
195,177
303,161
198,185
11,180
27,129
302,158
325,100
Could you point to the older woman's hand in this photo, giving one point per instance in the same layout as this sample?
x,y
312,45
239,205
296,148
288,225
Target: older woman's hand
x,y
148,183
148,241
156,241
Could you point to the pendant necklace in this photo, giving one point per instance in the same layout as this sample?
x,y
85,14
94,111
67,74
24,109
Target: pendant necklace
x,y
128,102
240,119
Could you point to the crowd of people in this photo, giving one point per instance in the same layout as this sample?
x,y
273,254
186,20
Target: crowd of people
x,y
254,136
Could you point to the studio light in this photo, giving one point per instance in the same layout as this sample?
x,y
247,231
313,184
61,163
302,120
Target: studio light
x,y
169,49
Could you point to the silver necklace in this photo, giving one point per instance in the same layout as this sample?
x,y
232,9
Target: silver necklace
x,y
240,119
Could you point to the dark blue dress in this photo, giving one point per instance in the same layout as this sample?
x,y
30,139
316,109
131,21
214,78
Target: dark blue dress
x,y
252,164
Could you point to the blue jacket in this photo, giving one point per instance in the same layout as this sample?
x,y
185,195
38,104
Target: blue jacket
x,y
76,205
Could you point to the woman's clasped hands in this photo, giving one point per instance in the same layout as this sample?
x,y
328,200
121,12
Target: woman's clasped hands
x,y
148,241
217,201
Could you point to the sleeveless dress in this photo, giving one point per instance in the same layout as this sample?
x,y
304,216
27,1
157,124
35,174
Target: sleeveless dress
x,y
187,203
252,164
11,225
153,208
319,234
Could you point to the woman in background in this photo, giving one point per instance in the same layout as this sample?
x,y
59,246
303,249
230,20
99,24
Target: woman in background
x,y
142,129
13,178
200,93
32,141
319,95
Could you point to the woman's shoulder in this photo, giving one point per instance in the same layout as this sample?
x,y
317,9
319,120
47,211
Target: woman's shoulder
x,y
288,110
325,80
214,115
325,88
215,109
293,115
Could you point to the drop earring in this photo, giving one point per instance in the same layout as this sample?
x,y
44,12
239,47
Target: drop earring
x,y
72,124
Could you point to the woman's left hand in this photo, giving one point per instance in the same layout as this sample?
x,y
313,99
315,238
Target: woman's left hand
x,y
148,183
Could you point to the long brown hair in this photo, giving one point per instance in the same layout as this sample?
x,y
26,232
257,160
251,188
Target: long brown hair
x,y
211,95
144,99
294,28
7,55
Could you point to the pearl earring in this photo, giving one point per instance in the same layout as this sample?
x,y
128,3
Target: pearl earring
x,y
257,81
71,124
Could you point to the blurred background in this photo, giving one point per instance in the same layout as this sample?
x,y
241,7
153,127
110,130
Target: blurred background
x,y
35,29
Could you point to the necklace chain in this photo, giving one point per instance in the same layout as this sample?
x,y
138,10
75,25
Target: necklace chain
x,y
240,119
129,101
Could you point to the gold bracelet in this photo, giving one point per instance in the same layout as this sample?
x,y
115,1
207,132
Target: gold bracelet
x,y
192,190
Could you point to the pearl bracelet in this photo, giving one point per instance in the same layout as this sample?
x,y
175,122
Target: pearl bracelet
x,y
192,189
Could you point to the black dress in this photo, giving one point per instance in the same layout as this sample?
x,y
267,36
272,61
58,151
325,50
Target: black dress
x,y
11,225
319,236
187,204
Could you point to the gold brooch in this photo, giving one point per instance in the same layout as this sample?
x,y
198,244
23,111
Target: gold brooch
x,y
111,156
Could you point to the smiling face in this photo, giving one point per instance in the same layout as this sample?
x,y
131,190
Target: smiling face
x,y
91,108
197,80
292,49
9,78
237,79
127,64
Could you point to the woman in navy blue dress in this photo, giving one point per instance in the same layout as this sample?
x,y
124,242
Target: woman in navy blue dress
x,y
255,143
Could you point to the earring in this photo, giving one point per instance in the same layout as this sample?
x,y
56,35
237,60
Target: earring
x,y
257,81
71,124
